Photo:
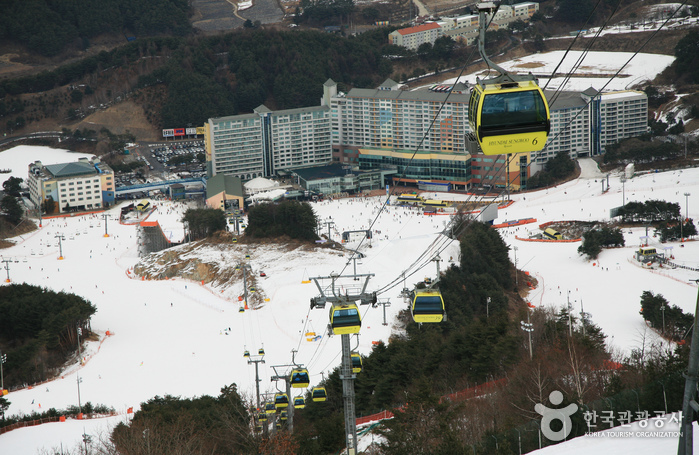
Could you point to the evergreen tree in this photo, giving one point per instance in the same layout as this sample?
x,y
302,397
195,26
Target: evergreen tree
x,y
11,209
12,187
202,223
287,218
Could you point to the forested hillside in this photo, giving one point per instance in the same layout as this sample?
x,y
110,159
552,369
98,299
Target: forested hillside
x,y
181,81
47,27
39,330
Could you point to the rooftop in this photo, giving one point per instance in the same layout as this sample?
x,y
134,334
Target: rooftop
x,y
221,182
418,28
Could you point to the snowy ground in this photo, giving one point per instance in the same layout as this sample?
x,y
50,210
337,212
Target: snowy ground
x,y
642,67
170,338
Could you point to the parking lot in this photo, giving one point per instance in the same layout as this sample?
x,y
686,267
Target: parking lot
x,y
170,160
184,159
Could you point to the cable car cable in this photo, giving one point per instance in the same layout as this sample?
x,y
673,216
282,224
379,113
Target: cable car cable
x,y
580,111
581,58
391,285
570,46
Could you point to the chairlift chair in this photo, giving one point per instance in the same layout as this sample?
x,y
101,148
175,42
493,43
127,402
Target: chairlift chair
x,y
299,378
345,319
319,394
428,306
281,400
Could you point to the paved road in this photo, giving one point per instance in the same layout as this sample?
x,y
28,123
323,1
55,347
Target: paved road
x,y
421,8
221,15
265,11
215,16
10,139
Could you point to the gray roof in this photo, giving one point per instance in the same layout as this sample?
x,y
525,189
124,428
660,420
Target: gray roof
x,y
408,95
222,182
301,110
235,118
329,83
565,100
261,109
389,84
591,92
71,169
460,87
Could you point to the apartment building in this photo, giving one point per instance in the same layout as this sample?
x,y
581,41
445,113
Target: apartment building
x,y
259,144
384,126
583,123
461,27
413,37
396,119
76,186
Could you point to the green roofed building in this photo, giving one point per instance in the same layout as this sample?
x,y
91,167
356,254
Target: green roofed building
x,y
225,192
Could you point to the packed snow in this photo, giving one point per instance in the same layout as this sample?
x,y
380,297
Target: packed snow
x,y
183,338
640,68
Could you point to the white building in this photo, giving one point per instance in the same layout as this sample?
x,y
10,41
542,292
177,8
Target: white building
x,y
259,144
413,37
583,123
76,186
398,119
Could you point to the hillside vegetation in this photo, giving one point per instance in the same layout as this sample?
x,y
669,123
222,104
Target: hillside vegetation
x,y
38,330
47,27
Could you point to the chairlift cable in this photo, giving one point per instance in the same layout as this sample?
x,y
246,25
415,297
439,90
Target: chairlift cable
x,y
582,56
571,45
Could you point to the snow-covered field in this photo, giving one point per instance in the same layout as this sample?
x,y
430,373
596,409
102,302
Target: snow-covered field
x,y
170,338
641,68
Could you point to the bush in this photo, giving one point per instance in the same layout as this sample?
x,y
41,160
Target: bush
x,y
202,223
293,219
596,239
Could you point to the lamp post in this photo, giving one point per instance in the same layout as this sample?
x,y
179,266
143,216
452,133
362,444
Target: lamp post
x,y
570,317
86,439
516,280
623,190
3,359
79,332
7,268
686,214
60,245
662,309
80,408
105,217
529,328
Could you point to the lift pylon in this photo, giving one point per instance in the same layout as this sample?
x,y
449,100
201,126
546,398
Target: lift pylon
x,y
346,295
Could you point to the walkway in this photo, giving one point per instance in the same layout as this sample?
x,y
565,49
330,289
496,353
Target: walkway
x,y
589,169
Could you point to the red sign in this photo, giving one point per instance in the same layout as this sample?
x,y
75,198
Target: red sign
x,y
179,131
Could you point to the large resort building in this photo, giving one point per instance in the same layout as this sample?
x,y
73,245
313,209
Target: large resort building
x,y
415,137
76,186
259,144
